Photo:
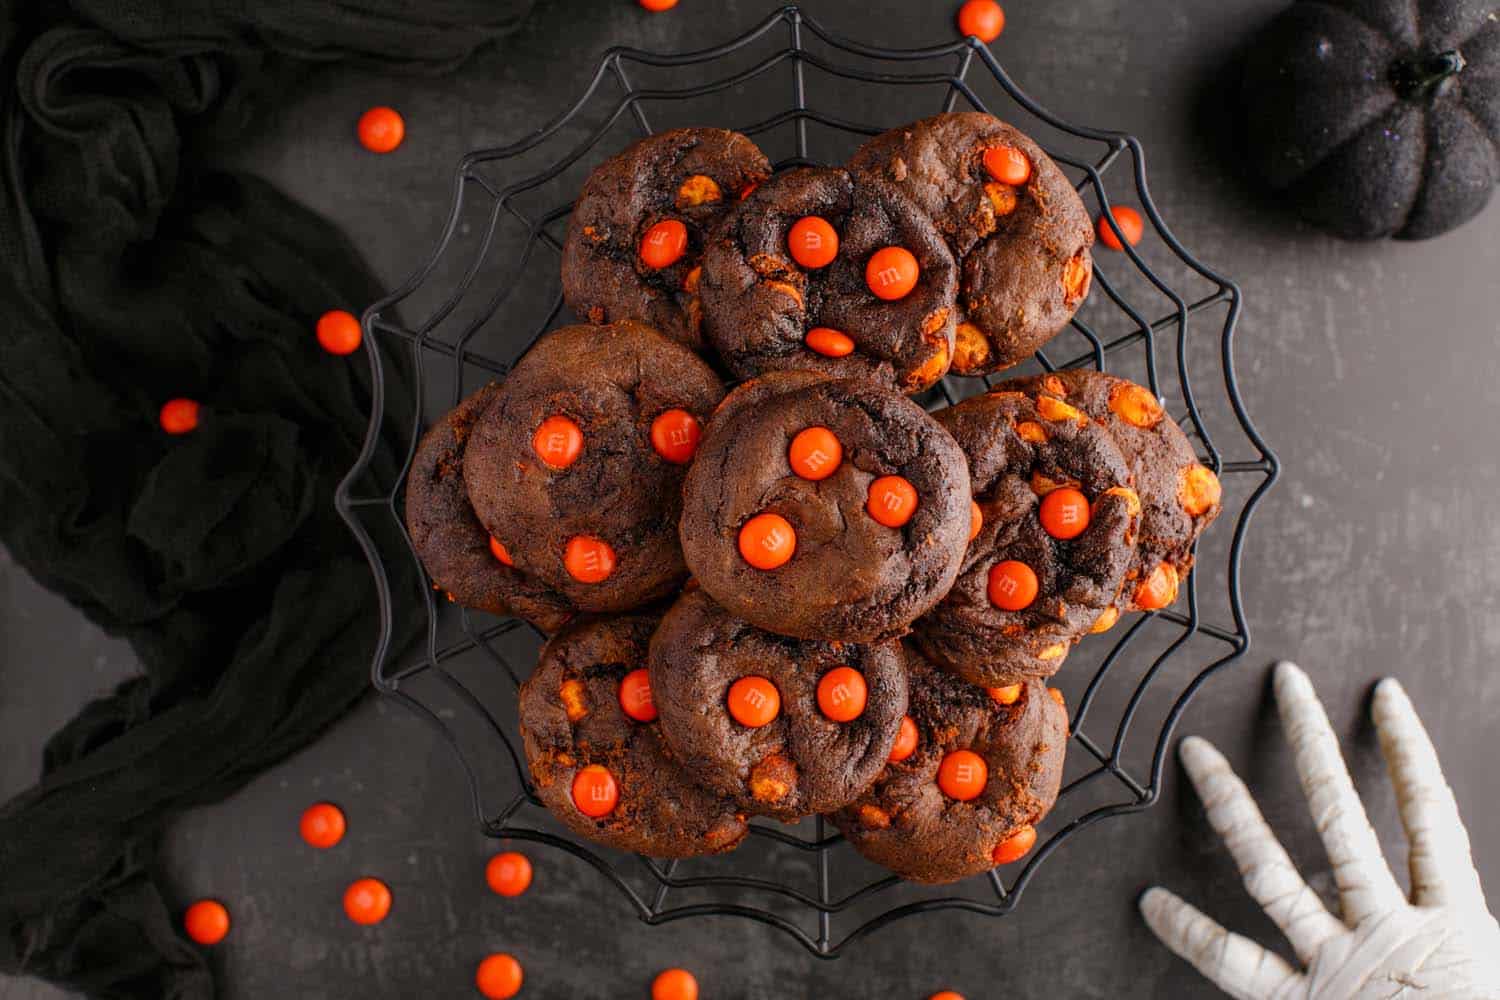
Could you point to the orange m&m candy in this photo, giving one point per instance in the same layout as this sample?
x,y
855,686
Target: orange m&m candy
x,y
500,552
635,696
946,995
381,129
891,273
754,701
1007,695
1012,585
558,441
1158,589
674,984
1130,223
594,791
1064,513
1008,165
664,244
813,242
767,541
206,921
657,6
675,434
842,694
367,901
976,520
322,825
829,342
178,416
1015,847
508,873
588,559
499,977
892,501
962,775
815,453
984,19
338,332
906,740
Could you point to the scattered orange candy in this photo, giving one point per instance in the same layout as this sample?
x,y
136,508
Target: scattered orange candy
x,y
206,921
892,273
984,19
813,242
595,792
657,6
381,129
558,441
664,244
1015,847
508,874
1159,589
842,694
1200,490
675,434
635,695
1012,585
946,995
1064,513
500,552
829,342
892,501
1130,223
322,825
754,701
338,332
976,520
178,416
367,901
674,984
1007,695
588,559
906,740
1008,165
815,453
499,976
767,541
1056,695
962,775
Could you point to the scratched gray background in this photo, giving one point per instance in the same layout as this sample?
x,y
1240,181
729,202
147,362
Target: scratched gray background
x,y
1371,368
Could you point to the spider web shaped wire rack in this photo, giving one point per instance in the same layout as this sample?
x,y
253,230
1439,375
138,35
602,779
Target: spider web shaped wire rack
x,y
490,288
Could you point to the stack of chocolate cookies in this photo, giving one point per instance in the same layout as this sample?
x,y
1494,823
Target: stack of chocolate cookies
x,y
773,584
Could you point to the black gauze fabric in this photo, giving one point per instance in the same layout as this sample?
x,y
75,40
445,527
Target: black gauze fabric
x,y
131,274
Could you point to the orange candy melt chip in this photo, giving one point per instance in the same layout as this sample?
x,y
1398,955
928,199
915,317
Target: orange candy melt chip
x,y
829,342
499,977
179,416
767,541
1008,165
907,738
754,701
1200,491
1007,695
206,922
508,873
892,501
984,19
946,995
976,520
842,694
338,332
322,825
1130,223
892,273
588,559
1016,846
962,775
815,453
1064,513
675,434
657,6
674,984
813,242
500,552
381,129
664,244
558,441
367,901
635,696
1012,585
595,792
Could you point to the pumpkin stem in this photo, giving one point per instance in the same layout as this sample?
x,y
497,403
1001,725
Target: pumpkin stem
x,y
1421,76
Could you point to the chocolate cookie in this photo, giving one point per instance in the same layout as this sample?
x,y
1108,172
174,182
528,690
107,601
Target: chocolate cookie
x,y
972,775
595,751
1055,535
453,546
1014,221
783,727
825,508
577,466
824,271
638,228
1179,495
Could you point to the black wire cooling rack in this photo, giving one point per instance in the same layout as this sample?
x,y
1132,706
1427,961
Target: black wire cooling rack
x,y
490,288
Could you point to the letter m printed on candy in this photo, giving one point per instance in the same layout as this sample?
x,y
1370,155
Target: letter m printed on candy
x,y
887,277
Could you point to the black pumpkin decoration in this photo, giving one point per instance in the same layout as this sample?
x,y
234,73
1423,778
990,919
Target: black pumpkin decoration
x,y
1378,118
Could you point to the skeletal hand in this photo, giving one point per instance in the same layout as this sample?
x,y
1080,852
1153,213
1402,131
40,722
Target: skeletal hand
x,y
1442,942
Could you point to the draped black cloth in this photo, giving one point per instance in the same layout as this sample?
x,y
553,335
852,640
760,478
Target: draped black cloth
x,y
130,273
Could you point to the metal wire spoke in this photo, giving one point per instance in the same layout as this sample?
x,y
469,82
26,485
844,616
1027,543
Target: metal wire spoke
x,y
811,886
